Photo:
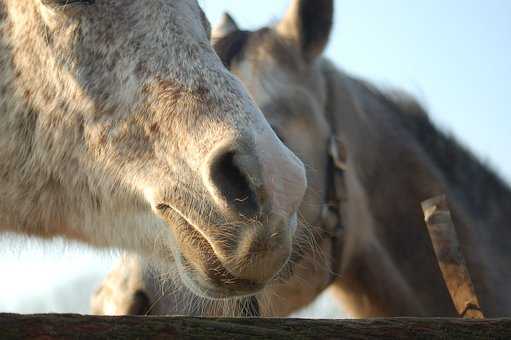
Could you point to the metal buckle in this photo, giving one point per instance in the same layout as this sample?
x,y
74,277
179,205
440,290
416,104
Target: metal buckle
x,y
338,153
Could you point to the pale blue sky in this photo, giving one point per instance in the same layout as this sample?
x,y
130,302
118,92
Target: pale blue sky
x,y
454,55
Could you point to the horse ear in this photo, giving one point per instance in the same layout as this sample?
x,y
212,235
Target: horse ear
x,y
307,24
226,26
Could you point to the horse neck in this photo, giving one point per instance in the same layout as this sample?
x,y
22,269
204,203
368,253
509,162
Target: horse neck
x,y
483,201
471,184
399,159
474,185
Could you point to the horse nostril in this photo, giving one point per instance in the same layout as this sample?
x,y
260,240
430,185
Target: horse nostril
x,y
162,207
233,184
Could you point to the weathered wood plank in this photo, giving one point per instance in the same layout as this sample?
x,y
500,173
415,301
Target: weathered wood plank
x,y
450,257
67,326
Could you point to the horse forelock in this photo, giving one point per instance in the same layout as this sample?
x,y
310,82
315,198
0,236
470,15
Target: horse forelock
x,y
236,45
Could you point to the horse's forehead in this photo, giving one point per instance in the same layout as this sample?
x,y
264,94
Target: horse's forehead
x,y
260,48
272,83
281,82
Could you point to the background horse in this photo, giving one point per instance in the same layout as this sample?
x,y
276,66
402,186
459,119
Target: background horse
x,y
393,159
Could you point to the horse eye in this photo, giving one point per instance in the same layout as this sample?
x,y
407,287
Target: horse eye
x,y
62,3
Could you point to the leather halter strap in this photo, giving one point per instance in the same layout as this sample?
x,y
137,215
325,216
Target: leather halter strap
x,y
331,217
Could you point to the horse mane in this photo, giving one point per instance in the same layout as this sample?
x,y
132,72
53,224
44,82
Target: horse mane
x,y
476,184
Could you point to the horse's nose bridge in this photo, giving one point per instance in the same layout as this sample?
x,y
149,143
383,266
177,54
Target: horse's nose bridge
x,y
283,175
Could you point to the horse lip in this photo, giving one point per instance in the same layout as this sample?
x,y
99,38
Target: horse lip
x,y
220,289
203,288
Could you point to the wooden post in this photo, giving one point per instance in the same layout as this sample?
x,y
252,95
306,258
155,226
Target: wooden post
x,y
62,326
450,257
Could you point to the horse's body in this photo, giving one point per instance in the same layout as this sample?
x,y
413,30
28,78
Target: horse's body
x,y
396,159
412,161
120,127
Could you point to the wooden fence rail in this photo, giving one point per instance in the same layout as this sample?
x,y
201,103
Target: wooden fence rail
x,y
67,326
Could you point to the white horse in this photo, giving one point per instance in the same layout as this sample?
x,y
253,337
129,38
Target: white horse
x,y
120,127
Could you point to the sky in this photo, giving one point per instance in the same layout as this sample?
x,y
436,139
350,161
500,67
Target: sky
x,y
455,56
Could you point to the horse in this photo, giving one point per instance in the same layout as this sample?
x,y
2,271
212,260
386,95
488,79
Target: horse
x,y
121,128
372,156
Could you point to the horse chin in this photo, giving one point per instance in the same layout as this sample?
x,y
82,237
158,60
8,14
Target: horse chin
x,y
203,272
205,276
202,286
